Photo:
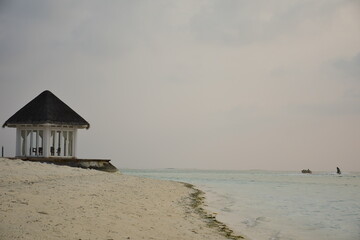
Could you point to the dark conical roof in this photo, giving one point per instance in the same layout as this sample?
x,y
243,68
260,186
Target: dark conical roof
x,y
47,108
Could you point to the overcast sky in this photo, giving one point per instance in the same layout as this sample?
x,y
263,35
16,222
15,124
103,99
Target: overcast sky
x,y
208,84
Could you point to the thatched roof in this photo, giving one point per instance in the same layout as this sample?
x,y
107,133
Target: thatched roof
x,y
47,108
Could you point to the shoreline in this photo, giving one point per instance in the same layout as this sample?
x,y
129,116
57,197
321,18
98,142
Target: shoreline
x,y
197,204
45,201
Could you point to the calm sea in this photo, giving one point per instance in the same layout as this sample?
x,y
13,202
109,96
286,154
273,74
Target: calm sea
x,y
264,205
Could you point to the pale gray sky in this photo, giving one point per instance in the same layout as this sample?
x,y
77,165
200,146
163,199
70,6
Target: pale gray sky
x,y
207,84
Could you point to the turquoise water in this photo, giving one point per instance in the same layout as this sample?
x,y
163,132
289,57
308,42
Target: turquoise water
x,y
264,205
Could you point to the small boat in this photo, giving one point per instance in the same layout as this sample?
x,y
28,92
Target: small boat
x,y
306,171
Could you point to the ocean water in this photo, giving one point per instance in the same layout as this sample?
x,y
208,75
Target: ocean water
x,y
264,205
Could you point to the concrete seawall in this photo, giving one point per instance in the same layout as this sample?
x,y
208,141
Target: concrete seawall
x,y
97,164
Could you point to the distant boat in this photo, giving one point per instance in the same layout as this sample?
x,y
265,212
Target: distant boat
x,y
306,171
338,170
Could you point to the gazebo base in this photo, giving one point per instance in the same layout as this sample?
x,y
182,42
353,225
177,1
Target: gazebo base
x,y
97,164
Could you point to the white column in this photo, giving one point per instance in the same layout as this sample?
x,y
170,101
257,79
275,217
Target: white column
x,y
56,137
26,151
66,147
46,142
61,144
31,143
18,142
75,143
37,143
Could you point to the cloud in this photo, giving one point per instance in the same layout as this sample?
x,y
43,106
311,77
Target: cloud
x,y
249,22
337,109
349,68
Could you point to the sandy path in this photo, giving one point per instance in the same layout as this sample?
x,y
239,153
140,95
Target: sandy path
x,y
43,201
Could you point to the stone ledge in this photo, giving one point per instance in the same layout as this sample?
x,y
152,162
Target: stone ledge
x,y
97,164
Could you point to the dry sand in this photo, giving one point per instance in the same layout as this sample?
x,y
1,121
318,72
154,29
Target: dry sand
x,y
45,201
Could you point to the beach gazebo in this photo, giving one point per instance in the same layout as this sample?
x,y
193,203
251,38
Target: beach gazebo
x,y
46,128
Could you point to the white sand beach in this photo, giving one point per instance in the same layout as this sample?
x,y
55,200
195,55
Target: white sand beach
x,y
45,201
